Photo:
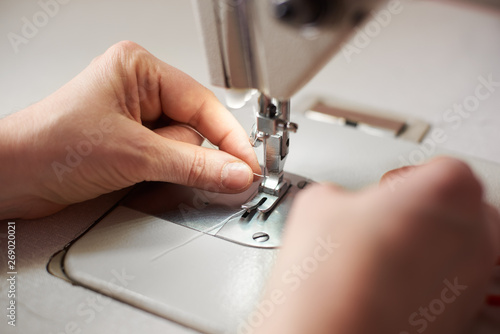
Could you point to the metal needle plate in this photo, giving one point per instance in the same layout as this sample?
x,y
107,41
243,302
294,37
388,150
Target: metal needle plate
x,y
256,228
220,215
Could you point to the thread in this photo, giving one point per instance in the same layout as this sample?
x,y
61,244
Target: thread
x,y
199,134
200,234
208,141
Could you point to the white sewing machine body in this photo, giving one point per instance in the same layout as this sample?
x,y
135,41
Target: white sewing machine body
x,y
168,256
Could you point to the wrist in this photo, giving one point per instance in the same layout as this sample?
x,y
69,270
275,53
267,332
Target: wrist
x,y
18,182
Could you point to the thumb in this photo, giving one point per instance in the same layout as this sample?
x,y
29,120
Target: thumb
x,y
195,166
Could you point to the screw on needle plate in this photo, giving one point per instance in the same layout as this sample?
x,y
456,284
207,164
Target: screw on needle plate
x,y
302,184
260,237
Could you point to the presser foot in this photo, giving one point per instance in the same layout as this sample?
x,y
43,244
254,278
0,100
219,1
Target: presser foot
x,y
263,222
264,202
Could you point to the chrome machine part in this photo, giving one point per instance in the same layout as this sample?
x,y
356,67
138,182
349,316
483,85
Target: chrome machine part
x,y
262,225
275,46
272,128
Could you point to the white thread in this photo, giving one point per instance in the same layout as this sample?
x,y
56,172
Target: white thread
x,y
203,232
199,134
208,141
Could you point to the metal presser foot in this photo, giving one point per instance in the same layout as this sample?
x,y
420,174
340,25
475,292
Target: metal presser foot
x,y
271,129
264,202
262,222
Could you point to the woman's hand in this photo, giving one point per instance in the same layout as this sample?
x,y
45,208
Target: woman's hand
x,y
409,259
119,122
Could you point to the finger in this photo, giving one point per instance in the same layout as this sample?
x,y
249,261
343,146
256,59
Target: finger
x,y
180,133
207,115
194,166
402,173
185,100
395,176
153,88
453,180
444,184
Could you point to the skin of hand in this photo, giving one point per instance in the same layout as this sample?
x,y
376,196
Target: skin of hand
x,y
119,122
413,258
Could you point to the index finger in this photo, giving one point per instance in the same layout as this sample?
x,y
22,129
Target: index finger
x,y
187,101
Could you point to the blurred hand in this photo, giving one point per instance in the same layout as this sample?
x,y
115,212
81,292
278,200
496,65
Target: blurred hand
x,y
119,122
411,259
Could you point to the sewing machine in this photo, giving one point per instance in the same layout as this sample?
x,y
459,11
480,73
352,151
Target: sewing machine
x,y
274,48
181,260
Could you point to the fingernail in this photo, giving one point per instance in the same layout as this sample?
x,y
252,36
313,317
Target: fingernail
x,y
236,175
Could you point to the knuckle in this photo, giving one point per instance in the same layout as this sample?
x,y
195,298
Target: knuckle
x,y
124,52
125,47
197,168
202,108
457,176
96,59
396,173
455,168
